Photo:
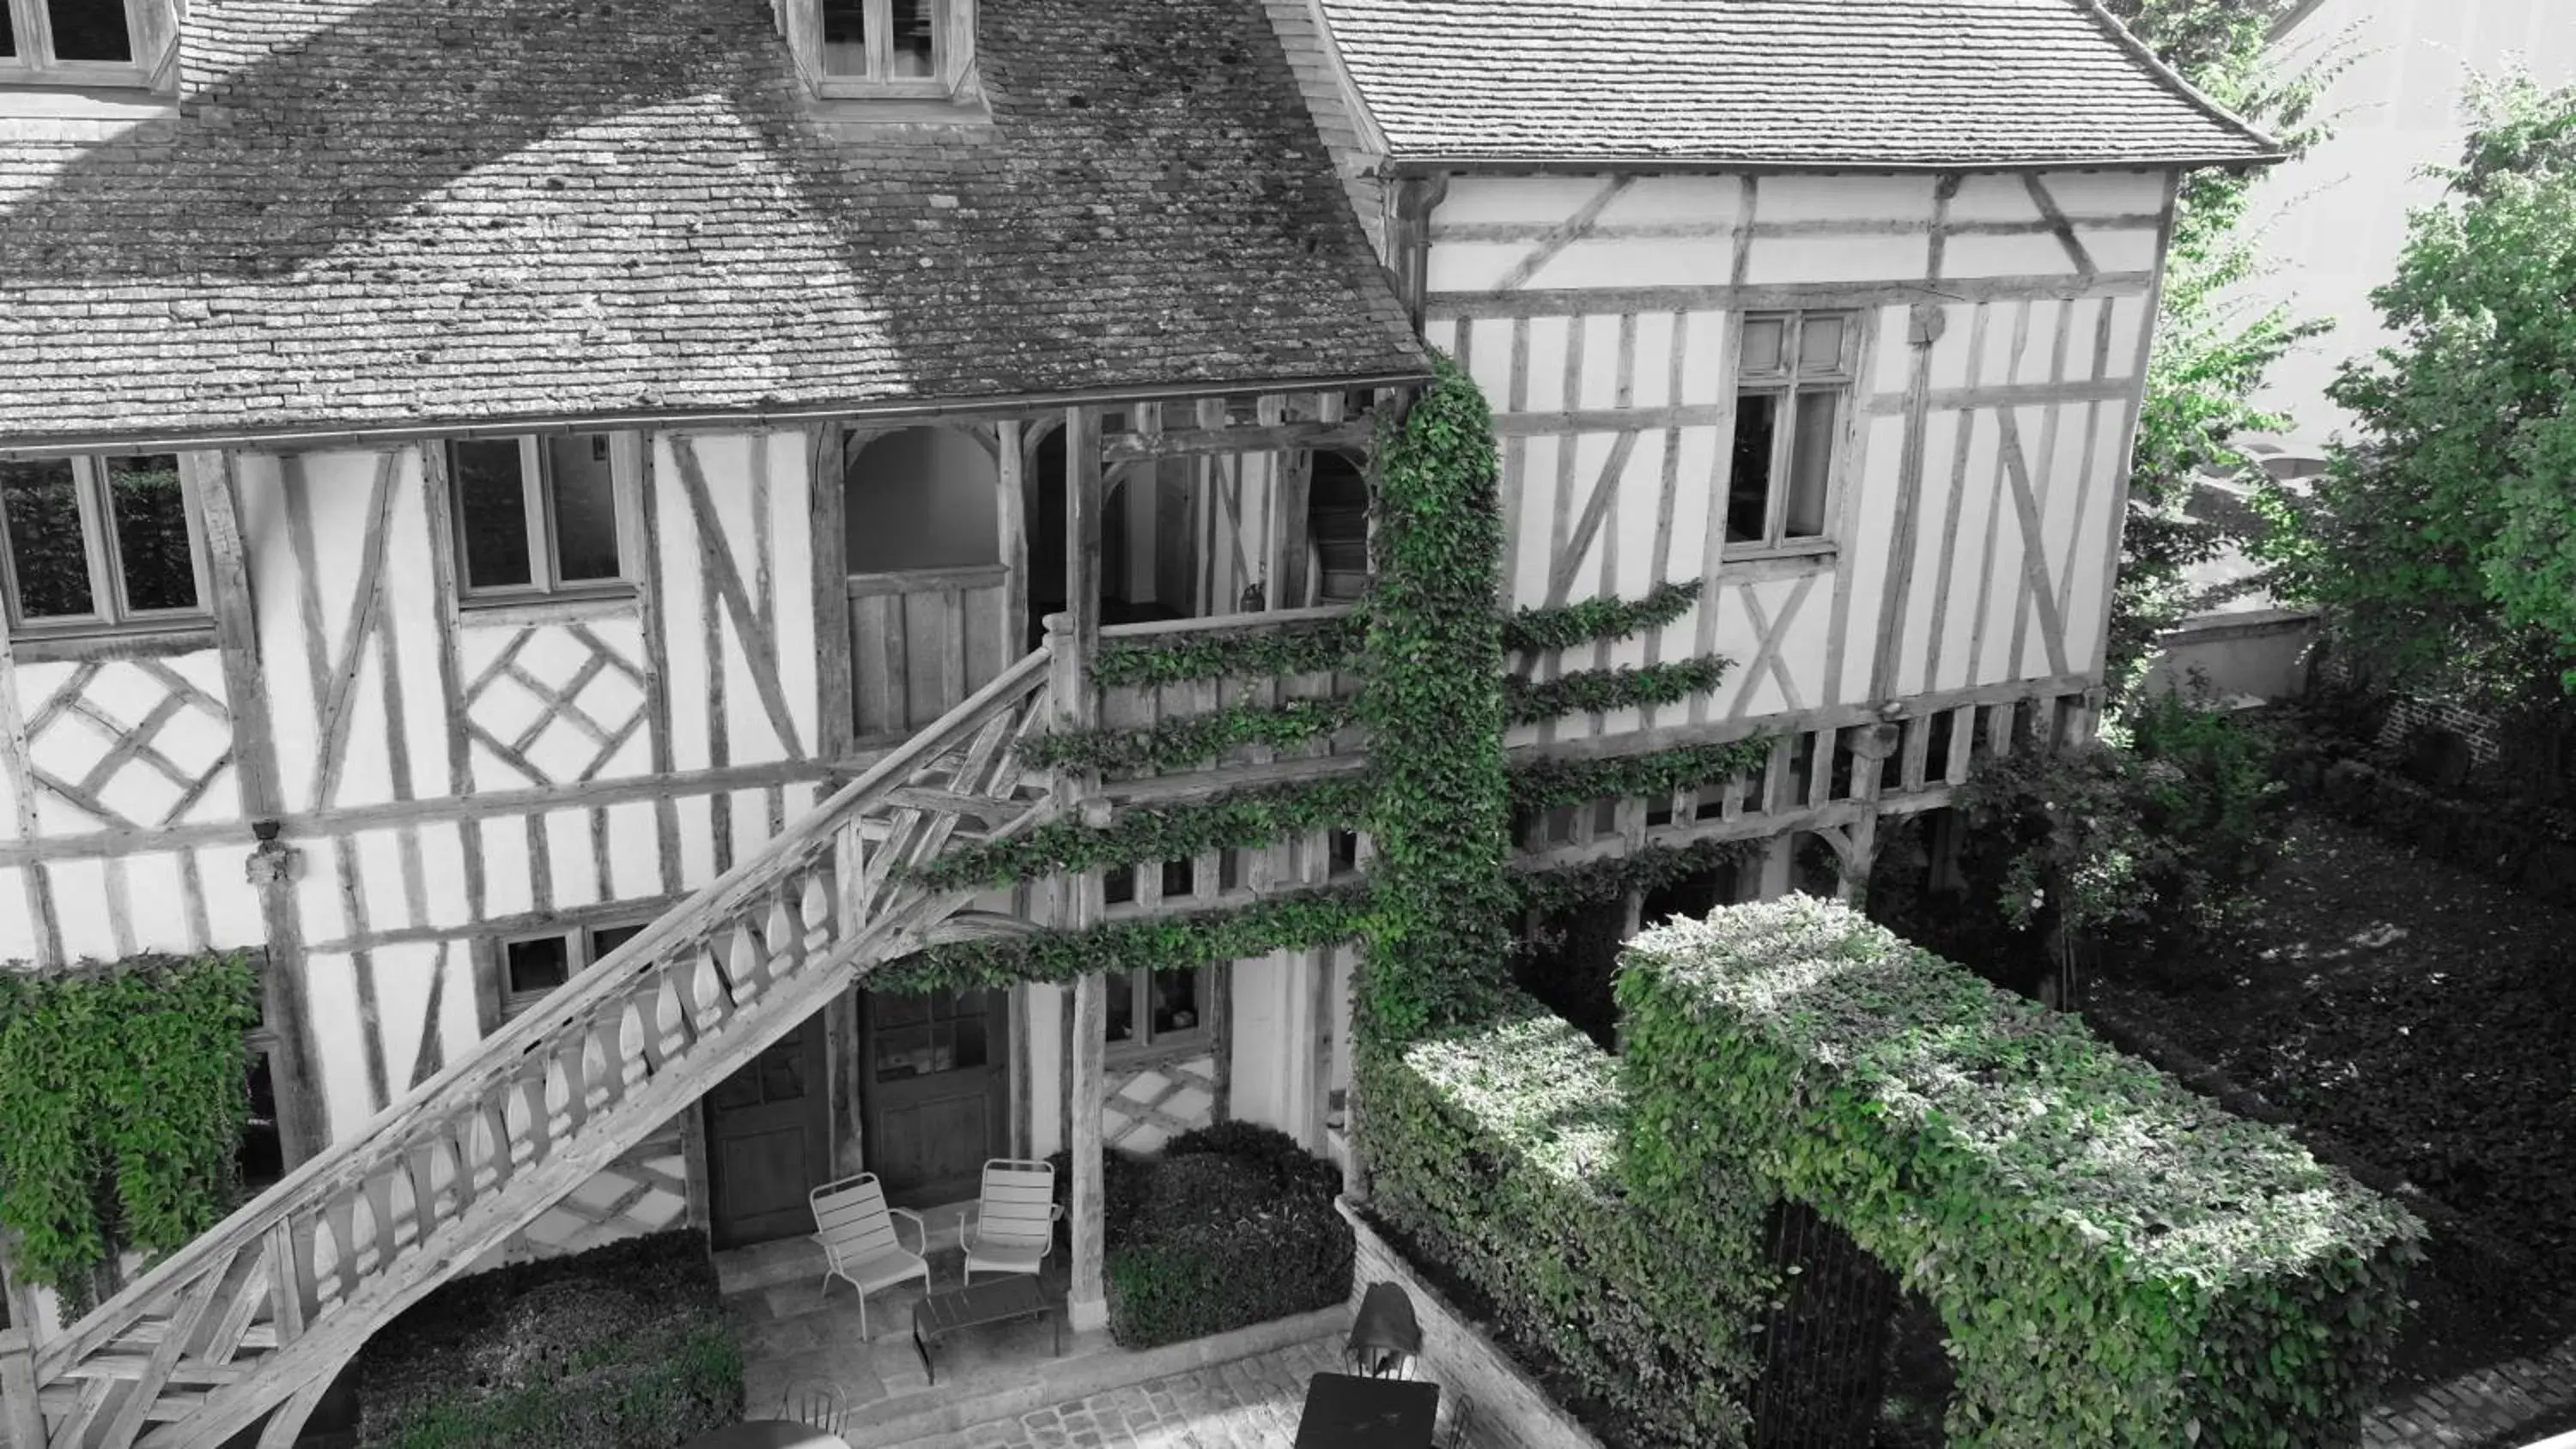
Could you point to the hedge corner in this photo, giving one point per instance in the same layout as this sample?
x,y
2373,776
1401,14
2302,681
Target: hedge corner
x,y
2117,1260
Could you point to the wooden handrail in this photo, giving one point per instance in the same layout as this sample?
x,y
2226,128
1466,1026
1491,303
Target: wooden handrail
x,y
460,1088
1226,623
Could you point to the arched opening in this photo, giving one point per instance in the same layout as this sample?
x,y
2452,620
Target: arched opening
x,y
1337,528
922,498
1146,545
928,588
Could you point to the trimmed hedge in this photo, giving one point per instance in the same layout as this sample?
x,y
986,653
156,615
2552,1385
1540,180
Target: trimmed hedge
x,y
1232,1225
1495,1148
2116,1261
623,1347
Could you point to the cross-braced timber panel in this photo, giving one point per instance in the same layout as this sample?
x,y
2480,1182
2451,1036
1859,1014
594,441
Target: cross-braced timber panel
x,y
554,705
126,743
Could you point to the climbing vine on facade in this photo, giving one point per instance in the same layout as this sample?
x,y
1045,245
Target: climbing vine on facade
x,y
123,1094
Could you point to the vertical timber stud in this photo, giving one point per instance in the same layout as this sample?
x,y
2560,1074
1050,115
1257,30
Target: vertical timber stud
x,y
1075,639
1924,324
22,1415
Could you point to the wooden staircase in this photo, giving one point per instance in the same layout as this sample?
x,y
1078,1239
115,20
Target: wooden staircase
x,y
250,1323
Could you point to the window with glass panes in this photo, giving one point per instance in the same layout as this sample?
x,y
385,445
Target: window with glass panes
x,y
1793,388
533,966
537,515
1148,1009
99,541
889,47
72,41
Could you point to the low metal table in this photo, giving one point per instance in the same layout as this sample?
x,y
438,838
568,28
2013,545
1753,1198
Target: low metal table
x,y
1346,1411
996,1300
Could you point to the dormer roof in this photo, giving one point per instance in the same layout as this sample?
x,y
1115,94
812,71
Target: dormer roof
x,y
387,214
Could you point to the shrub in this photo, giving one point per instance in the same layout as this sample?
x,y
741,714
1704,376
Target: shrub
x,y
624,1347
2137,851
2116,1261
1495,1150
1217,1241
1291,1166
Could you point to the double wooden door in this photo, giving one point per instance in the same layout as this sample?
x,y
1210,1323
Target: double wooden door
x,y
935,1077
934,1087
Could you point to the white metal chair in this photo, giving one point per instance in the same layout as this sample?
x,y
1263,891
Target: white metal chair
x,y
856,1229
815,1403
1012,1225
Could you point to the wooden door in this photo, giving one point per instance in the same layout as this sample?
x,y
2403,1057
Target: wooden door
x,y
769,1141
936,1086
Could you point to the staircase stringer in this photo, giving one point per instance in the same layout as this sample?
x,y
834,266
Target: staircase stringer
x,y
264,1309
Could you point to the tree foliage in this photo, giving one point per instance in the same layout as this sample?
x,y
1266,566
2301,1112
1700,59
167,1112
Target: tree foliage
x,y
2210,355
2445,537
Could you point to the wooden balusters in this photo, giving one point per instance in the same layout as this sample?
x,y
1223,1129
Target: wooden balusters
x,y
632,1068
785,940
402,1204
558,1098
594,1068
706,993
285,1292
443,1200
815,905
327,1290
364,1252
670,1023
743,963
482,1150
519,1122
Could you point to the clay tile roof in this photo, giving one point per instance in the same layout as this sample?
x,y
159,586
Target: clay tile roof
x,y
1853,83
385,213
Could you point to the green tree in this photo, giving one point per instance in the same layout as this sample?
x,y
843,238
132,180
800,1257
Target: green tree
x,y
2444,538
2209,356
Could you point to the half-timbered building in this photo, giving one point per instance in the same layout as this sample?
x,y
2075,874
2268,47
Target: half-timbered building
x,y
539,518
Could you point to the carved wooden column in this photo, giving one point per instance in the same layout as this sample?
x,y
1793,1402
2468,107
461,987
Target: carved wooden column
x,y
303,1127
1074,636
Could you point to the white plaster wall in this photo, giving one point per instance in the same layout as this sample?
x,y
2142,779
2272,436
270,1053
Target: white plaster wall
x,y
1559,377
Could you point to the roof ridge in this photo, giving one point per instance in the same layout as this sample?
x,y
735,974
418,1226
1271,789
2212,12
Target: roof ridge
x,y
2137,50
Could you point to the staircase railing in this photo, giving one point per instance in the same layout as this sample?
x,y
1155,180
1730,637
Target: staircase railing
x,y
267,1306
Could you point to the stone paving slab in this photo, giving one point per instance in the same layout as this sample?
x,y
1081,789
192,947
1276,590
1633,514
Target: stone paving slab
x,y
2483,1409
1249,1403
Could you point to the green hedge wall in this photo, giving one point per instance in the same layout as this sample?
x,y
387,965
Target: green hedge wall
x,y
2117,1261
1495,1149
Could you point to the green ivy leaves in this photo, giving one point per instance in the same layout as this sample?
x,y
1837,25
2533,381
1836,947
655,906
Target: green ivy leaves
x,y
123,1093
1251,653
1533,631
1133,837
1178,942
1598,691
1184,743
1438,812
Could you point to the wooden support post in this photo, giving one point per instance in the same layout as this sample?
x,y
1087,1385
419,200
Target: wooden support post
x,y
22,1414
303,1128
1074,636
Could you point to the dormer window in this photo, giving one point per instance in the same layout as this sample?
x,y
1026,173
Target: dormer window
x,y
83,42
867,49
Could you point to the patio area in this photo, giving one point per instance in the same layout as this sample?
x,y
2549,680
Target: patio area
x,y
791,1330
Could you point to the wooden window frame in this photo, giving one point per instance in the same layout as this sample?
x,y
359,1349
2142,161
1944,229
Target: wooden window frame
x,y
110,614
952,52
1140,986
31,28
1786,383
537,514
580,954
